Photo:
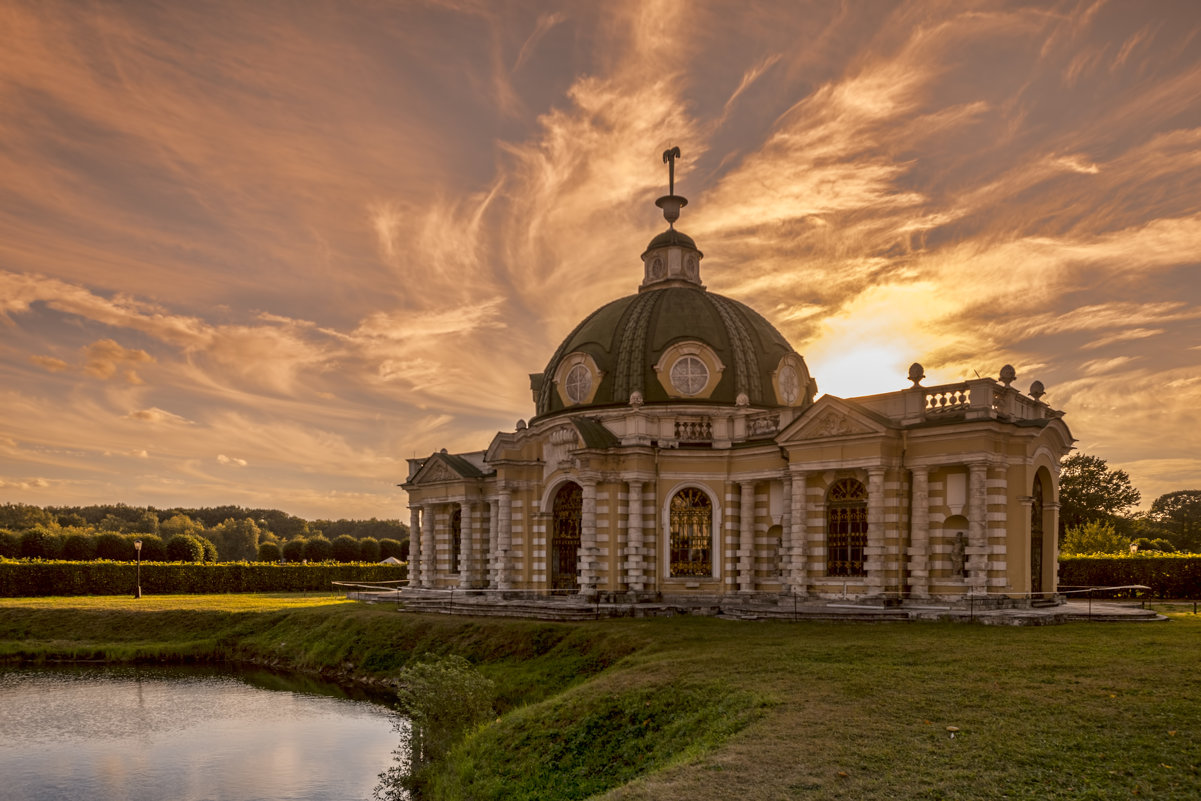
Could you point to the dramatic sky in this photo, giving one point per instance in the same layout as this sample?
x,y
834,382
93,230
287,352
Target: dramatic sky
x,y
260,253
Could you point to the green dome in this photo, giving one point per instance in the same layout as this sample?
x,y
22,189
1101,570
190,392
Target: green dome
x,y
626,339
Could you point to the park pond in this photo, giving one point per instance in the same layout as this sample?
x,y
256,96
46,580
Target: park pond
x,y
185,733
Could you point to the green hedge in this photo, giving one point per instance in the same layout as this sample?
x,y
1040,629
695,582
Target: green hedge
x,y
1168,575
31,578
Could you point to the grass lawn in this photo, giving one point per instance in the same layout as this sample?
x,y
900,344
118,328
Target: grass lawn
x,y
695,708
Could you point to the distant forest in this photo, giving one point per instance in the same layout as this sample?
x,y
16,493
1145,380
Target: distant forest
x,y
228,533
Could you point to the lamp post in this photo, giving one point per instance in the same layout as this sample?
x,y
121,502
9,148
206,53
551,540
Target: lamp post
x,y
137,547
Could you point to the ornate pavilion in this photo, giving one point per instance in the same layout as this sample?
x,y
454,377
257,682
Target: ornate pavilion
x,y
677,453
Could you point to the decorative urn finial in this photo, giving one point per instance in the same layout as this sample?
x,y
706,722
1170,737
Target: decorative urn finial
x,y
1037,390
1008,374
916,374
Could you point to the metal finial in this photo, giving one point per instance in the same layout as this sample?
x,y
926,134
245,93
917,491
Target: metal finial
x,y
669,158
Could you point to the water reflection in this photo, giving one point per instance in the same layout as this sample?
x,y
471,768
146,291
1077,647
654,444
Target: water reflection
x,y
191,734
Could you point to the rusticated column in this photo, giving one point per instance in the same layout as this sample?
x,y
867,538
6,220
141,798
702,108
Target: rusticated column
x,y
429,545
504,538
746,538
634,560
587,555
919,541
467,540
414,546
493,541
977,545
798,572
873,554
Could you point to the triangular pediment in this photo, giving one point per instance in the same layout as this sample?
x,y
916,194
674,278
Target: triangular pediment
x,y
832,418
439,468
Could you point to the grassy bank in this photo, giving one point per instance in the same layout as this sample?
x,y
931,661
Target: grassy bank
x,y
710,709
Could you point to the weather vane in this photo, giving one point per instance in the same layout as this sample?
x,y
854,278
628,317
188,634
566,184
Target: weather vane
x,y
671,203
669,158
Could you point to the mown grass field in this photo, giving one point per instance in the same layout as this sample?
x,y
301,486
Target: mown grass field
x,y
714,709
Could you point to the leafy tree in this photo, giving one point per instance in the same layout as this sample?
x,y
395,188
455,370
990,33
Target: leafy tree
x,y
318,549
71,519
184,548
369,549
22,516
293,550
79,547
345,549
1091,492
178,524
269,552
1094,537
390,547
114,547
238,540
1180,515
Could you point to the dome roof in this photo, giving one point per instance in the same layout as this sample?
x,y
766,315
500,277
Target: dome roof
x,y
626,341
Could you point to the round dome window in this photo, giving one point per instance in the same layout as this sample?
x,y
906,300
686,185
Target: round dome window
x,y
689,375
578,384
790,384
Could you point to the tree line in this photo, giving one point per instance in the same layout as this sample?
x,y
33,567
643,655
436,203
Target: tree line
x,y
223,533
1095,512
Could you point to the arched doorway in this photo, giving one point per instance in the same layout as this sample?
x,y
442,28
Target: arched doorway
x,y
1037,536
565,537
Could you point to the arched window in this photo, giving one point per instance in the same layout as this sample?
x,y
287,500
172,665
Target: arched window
x,y
846,528
691,534
456,537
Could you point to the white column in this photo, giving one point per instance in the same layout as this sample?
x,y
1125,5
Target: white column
x,y
493,542
1051,534
414,546
746,538
429,545
587,555
873,554
919,542
784,553
467,544
977,544
634,560
798,540
504,539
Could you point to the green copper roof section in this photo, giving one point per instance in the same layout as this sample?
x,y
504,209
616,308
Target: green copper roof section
x,y
627,337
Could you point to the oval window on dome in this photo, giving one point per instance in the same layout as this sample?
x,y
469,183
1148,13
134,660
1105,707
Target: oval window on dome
x,y
689,375
578,384
790,384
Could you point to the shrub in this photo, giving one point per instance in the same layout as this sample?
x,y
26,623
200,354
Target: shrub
x,y
1094,537
10,544
33,579
40,543
184,548
369,549
269,552
345,549
153,547
1168,575
1159,545
79,547
391,547
114,547
318,549
293,550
